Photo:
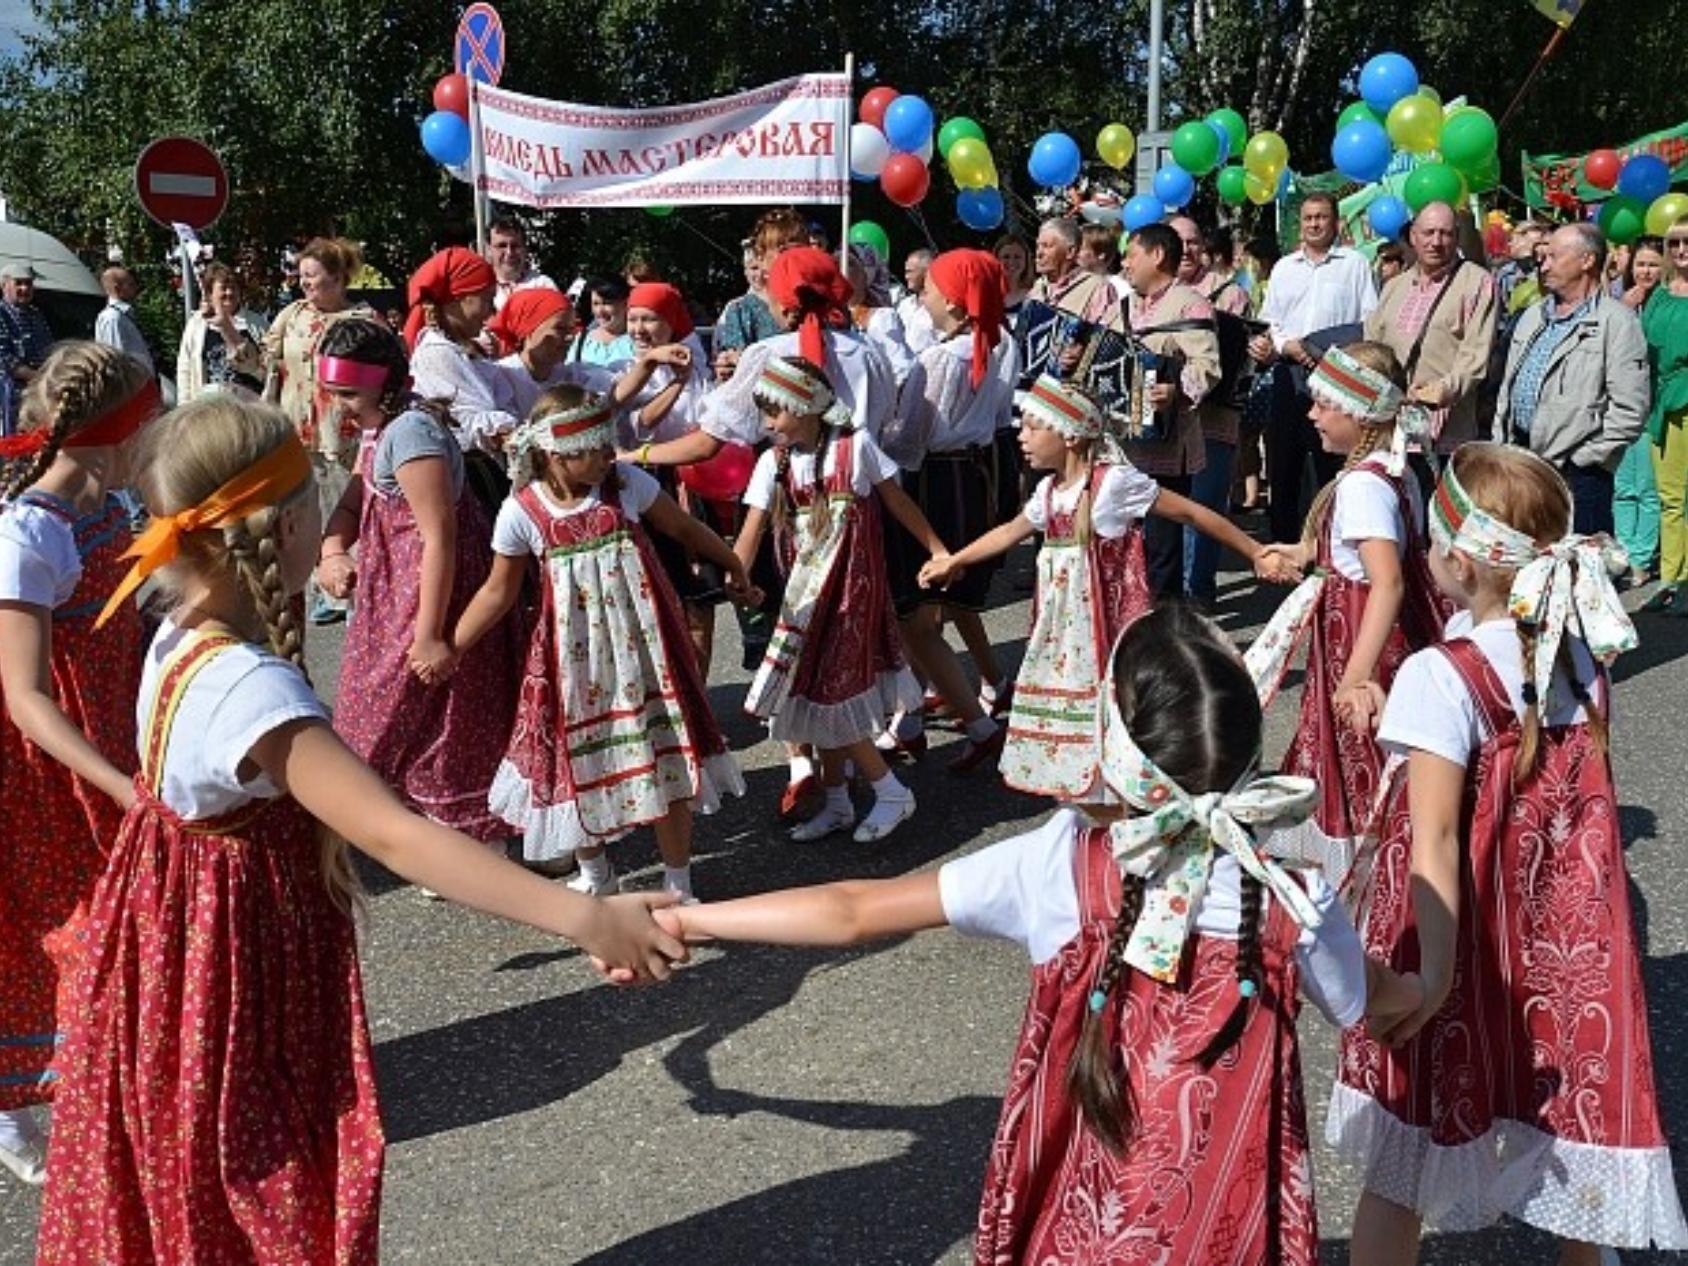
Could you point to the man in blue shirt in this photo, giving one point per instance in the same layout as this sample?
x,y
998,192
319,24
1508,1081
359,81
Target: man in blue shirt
x,y
25,339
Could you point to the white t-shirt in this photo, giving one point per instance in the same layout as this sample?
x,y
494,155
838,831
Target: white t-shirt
x,y
1367,509
38,559
243,694
515,534
1024,890
1430,708
870,468
1125,496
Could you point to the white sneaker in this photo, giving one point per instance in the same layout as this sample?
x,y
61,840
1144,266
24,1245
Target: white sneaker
x,y
582,883
829,821
887,814
24,1150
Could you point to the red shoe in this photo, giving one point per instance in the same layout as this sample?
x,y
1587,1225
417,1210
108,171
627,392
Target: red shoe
x,y
933,705
973,755
802,799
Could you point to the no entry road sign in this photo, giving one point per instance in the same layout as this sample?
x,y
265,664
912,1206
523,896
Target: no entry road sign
x,y
181,181
479,50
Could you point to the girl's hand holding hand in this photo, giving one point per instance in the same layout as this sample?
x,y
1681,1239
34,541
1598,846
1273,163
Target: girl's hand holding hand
x,y
939,572
627,940
1360,703
1277,564
740,589
432,660
337,575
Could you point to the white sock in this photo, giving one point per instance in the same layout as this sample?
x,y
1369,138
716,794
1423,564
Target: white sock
x,y
17,1130
678,879
596,869
838,799
889,788
980,731
991,691
801,767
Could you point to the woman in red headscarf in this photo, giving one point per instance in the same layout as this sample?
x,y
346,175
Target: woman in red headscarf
x,y
957,396
450,301
533,330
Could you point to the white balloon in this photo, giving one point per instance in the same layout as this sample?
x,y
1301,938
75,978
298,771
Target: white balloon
x,y
1099,213
924,153
868,149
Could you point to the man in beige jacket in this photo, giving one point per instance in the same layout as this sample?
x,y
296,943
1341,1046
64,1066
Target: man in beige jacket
x,y
1439,318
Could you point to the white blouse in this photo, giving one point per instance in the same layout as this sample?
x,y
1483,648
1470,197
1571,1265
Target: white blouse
x,y
857,370
441,370
940,411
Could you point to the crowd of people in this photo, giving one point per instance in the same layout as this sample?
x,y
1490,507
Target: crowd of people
x,y
532,504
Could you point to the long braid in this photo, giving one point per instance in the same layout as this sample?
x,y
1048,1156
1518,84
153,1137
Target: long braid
x,y
1250,971
257,559
1083,510
1529,740
24,474
83,384
780,510
1096,1075
820,508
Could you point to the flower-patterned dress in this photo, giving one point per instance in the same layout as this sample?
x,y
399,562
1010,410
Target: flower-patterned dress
x,y
57,827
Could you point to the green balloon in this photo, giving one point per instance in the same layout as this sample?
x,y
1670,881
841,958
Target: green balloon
x,y
1487,176
1233,185
867,233
1623,219
1236,127
1195,148
1433,182
660,210
1359,110
1468,139
954,130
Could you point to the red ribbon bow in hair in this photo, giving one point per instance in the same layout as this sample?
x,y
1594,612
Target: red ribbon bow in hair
x,y
806,278
975,282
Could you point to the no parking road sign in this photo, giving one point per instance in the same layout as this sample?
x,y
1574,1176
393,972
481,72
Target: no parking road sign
x,y
480,44
181,181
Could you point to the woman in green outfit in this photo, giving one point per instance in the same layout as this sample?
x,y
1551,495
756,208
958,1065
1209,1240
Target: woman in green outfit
x,y
1635,493
1665,320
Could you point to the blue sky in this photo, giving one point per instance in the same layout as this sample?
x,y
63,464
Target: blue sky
x,y
15,17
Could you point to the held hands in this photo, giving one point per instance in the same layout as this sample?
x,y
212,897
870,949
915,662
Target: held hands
x,y
337,575
739,586
940,572
629,938
1399,1005
432,660
1282,564
1360,704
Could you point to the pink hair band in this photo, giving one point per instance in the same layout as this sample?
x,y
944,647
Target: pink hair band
x,y
337,371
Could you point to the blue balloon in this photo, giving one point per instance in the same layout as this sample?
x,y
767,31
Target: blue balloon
x,y
1361,151
1646,177
446,138
1055,160
908,123
1385,79
980,209
1174,186
1285,179
1388,216
1143,210
1224,143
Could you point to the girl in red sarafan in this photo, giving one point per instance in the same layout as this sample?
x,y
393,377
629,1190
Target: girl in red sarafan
x,y
67,733
1521,1084
1154,1110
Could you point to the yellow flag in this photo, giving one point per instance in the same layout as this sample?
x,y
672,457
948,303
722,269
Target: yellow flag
x,y
1564,12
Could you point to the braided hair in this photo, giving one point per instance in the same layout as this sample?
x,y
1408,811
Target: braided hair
x,y
1189,704
781,511
1374,436
79,383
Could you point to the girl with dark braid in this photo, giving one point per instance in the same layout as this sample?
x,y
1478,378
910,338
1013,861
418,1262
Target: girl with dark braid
x,y
1154,1108
67,692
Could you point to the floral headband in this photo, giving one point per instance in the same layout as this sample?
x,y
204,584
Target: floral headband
x,y
1342,382
581,429
786,386
1171,845
1570,579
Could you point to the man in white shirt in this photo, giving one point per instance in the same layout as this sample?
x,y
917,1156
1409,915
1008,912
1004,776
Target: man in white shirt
x,y
115,326
507,252
918,331
1318,285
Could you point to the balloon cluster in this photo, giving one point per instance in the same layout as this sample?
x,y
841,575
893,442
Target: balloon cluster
x,y
445,132
1397,114
1641,202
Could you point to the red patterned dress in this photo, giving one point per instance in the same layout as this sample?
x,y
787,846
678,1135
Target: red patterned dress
x,y
613,724
1531,1093
438,747
218,1100
56,826
1218,1172
1346,765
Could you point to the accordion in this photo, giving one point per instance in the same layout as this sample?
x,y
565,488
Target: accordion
x,y
1116,369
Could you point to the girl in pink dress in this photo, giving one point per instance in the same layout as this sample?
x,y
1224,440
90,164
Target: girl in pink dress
x,y
613,731
1154,1108
1521,1085
431,723
67,737
217,1101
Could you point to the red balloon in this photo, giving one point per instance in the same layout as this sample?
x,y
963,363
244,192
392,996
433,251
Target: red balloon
x,y
873,106
452,93
905,179
1601,168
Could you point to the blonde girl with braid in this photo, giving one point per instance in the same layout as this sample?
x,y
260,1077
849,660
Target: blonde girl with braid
x,y
1521,1083
67,692
1372,601
1154,1097
217,973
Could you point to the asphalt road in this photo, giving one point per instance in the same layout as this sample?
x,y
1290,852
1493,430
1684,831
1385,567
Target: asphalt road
x,y
784,1106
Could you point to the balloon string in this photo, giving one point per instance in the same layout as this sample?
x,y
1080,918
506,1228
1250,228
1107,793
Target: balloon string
x,y
914,214
681,221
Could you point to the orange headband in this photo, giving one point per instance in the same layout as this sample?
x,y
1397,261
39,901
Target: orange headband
x,y
267,482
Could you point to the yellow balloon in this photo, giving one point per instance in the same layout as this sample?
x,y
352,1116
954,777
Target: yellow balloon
x,y
1260,190
1425,90
1266,155
970,163
1115,145
1415,123
1667,211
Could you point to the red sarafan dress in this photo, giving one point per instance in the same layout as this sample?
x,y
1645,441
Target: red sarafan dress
x,y
1218,1172
56,825
1087,592
1530,1094
1347,765
217,1102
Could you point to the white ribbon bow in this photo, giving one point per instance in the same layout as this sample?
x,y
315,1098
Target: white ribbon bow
x,y
1572,578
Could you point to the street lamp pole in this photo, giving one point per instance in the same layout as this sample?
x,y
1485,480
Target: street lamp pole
x,y
1157,24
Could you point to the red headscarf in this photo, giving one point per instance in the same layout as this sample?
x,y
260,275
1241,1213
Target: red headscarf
x,y
974,281
451,274
664,300
523,313
807,278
